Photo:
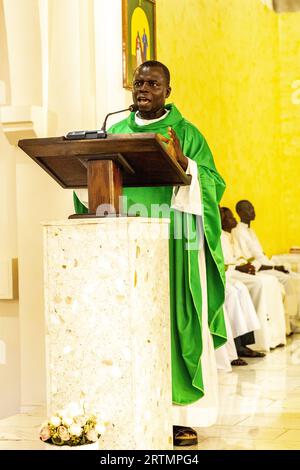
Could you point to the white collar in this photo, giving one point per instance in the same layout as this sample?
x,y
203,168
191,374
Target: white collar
x,y
242,224
143,122
227,234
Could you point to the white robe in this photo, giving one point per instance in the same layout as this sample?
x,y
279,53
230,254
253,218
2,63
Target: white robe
x,y
226,353
203,412
251,248
239,307
266,295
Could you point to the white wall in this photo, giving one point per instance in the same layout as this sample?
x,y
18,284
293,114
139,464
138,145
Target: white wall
x,y
110,94
24,51
39,198
63,72
9,313
81,81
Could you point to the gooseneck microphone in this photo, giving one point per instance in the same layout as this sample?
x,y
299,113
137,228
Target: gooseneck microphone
x,y
132,108
98,134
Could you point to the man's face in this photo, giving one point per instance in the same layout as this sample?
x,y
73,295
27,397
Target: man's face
x,y
247,212
228,220
150,90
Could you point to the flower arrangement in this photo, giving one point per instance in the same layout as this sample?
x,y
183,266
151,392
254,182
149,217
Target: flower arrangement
x,y
71,427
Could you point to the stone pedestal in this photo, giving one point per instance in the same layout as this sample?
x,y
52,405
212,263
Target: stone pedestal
x,y
108,326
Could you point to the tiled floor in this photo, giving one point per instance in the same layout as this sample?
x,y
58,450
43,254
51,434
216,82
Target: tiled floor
x,y
260,404
259,408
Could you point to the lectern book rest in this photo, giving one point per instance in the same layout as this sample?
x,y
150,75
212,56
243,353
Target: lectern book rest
x,y
104,166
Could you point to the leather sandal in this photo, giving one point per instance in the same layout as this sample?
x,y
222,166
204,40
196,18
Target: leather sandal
x,y
239,362
247,352
184,436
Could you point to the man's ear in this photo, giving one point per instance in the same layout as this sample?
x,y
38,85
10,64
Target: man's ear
x,y
168,91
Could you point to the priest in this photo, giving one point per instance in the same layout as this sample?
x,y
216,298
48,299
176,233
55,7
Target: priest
x,y
196,263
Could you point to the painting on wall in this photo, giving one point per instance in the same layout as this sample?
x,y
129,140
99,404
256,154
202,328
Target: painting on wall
x,y
139,36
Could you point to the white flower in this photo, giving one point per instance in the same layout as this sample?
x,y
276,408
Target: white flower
x,y
100,428
55,421
80,420
67,421
75,430
63,427
63,433
45,433
92,435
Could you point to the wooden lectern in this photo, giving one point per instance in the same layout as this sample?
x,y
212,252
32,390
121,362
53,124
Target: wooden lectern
x,y
104,166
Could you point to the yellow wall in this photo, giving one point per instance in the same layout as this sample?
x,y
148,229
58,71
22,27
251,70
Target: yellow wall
x,y
289,29
225,62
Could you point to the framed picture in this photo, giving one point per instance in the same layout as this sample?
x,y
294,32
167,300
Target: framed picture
x,y
139,35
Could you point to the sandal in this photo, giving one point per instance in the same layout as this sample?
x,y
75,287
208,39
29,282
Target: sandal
x,y
247,352
239,362
184,436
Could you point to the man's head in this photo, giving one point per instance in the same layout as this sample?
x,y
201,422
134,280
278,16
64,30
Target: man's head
x,y
227,219
150,88
246,211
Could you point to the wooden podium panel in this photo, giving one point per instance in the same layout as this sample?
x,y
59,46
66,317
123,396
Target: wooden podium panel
x,y
142,158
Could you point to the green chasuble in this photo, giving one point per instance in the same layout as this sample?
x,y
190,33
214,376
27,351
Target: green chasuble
x,y
185,287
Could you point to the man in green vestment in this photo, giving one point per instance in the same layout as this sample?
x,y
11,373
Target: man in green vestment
x,y
151,87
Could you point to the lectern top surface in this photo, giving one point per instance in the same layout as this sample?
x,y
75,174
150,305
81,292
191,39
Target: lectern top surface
x,y
142,156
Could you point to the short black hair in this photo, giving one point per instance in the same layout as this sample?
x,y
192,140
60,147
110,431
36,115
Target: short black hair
x,y
223,211
239,205
156,63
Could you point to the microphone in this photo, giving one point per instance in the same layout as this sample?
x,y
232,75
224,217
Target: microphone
x,y
98,134
132,108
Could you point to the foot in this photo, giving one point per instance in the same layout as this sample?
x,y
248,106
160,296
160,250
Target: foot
x,y
239,362
184,436
247,352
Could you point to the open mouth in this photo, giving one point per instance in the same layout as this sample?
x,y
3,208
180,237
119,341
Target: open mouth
x,y
143,100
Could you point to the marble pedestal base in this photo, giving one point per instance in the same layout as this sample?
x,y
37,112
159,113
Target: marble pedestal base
x,y
108,326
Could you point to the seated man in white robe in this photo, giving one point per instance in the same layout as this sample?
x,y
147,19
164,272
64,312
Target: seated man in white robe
x,y
251,248
226,355
242,318
265,291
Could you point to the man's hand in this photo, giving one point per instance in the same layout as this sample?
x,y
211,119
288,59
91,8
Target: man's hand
x,y
174,148
265,267
246,268
281,269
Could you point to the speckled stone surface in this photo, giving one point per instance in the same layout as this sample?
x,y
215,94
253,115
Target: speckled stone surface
x,y
108,326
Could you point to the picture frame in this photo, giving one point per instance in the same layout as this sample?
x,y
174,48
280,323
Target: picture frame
x,y
138,35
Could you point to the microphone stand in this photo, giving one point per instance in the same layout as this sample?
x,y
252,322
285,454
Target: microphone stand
x,y
102,134
97,134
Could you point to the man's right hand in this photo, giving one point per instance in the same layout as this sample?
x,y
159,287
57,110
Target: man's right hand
x,y
265,267
246,268
174,148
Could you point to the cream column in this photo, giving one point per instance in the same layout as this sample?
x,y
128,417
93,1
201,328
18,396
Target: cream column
x,y
108,326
